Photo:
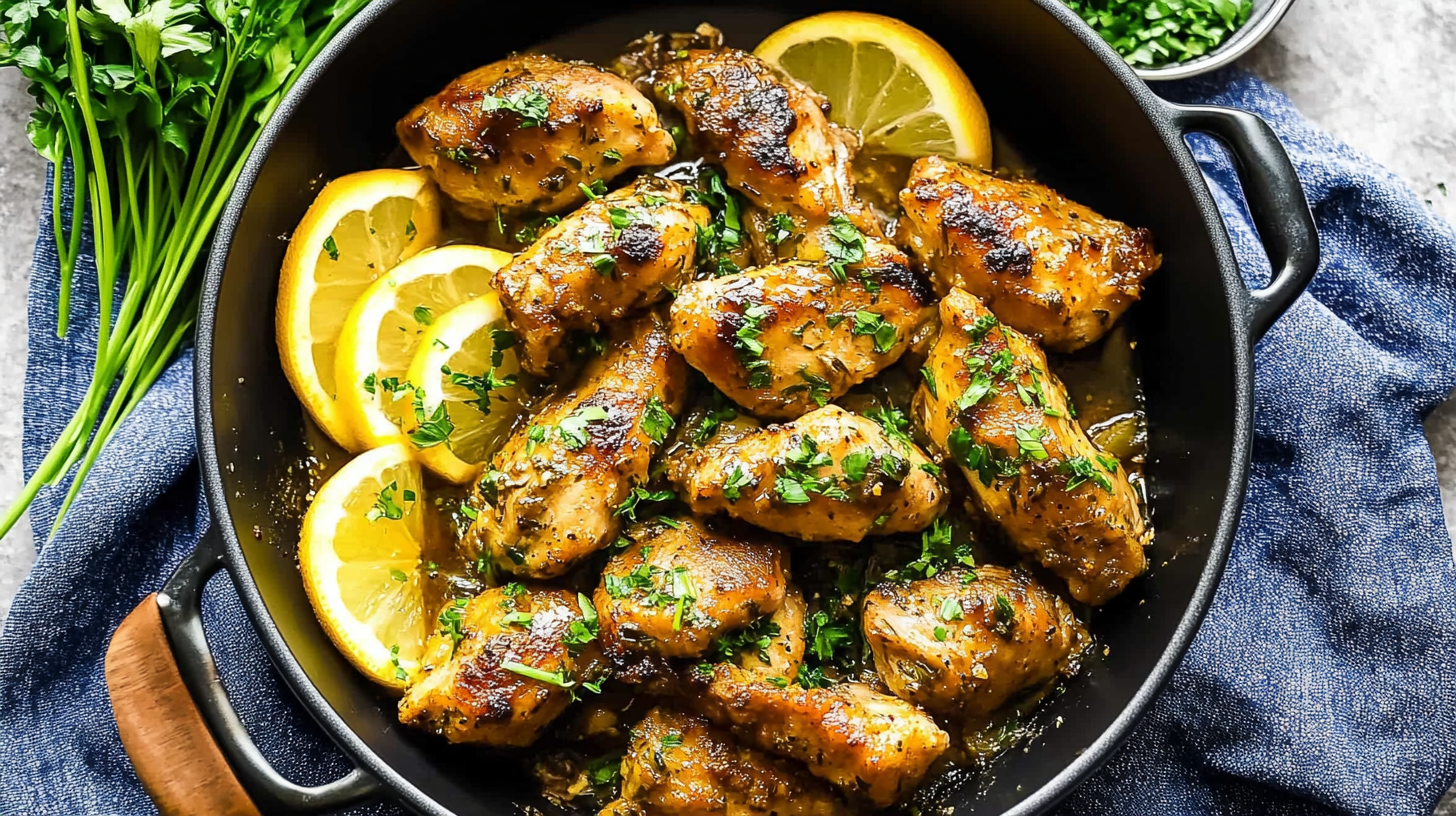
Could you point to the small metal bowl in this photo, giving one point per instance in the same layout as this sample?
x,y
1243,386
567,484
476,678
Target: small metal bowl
x,y
1265,15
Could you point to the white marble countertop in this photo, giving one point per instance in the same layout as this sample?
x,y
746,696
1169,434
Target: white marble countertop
x,y
1380,74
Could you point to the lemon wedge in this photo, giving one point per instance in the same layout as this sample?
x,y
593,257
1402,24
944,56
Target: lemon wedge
x,y
358,228
359,555
891,82
387,325
465,370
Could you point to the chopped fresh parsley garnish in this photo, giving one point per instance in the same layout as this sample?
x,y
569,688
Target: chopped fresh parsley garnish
x,y
611,155
1157,32
750,349
452,621
982,327
894,423
940,633
398,575
780,229
826,637
938,552
671,741
557,678
844,246
1080,470
628,508
385,505
724,233
817,387
950,610
722,411
423,315
581,632
1005,615
433,429
331,248
869,323
593,191
737,480
482,386
811,677
517,619
798,475
656,421
981,387
756,637
1029,440
857,464
399,672
531,106
573,428
929,377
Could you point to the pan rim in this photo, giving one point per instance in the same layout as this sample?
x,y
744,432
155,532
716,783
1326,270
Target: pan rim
x,y
1041,800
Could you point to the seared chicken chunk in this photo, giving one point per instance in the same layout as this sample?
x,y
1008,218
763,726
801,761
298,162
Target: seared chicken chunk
x,y
679,585
782,340
775,644
963,643
769,132
1048,267
993,405
869,744
619,253
828,475
468,691
518,136
679,764
549,496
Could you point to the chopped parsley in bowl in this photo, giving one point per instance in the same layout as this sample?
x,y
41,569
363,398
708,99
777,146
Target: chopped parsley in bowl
x,y
1154,33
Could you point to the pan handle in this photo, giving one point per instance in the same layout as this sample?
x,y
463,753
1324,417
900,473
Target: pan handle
x,y
156,741
1276,203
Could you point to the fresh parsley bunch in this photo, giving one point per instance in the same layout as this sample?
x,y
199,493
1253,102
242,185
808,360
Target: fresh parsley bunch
x,y
156,105
1157,32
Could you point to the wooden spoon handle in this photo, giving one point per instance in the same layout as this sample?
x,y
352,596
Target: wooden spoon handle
x,y
175,755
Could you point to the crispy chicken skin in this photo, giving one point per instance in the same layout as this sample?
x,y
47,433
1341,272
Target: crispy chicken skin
x,y
1005,634
870,744
770,133
679,764
785,633
1048,267
488,153
1004,418
549,496
829,475
680,585
784,339
469,697
627,250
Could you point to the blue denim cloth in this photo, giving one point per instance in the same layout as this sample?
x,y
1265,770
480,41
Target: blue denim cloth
x,y
1322,682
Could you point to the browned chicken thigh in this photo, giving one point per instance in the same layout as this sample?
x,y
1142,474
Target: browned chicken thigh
x,y
550,495
769,132
963,642
679,764
679,585
520,135
1046,266
621,252
474,685
826,476
869,744
992,404
782,340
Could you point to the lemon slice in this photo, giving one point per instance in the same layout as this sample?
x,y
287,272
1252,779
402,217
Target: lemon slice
x,y
386,326
359,554
463,363
891,82
359,227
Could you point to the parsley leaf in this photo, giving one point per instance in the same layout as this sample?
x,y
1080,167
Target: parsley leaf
x,y
869,323
628,507
844,246
750,349
531,105
573,430
656,421
385,506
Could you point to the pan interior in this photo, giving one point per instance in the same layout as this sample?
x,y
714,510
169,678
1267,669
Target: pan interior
x,y
1056,101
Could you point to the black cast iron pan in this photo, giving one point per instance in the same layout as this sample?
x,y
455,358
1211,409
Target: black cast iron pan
x,y
1053,90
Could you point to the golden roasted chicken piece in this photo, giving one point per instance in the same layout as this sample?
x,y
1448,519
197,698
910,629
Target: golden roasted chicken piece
x,y
775,644
679,764
550,495
829,475
870,744
680,585
518,136
992,404
768,131
626,250
474,686
963,642
784,339
1048,267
